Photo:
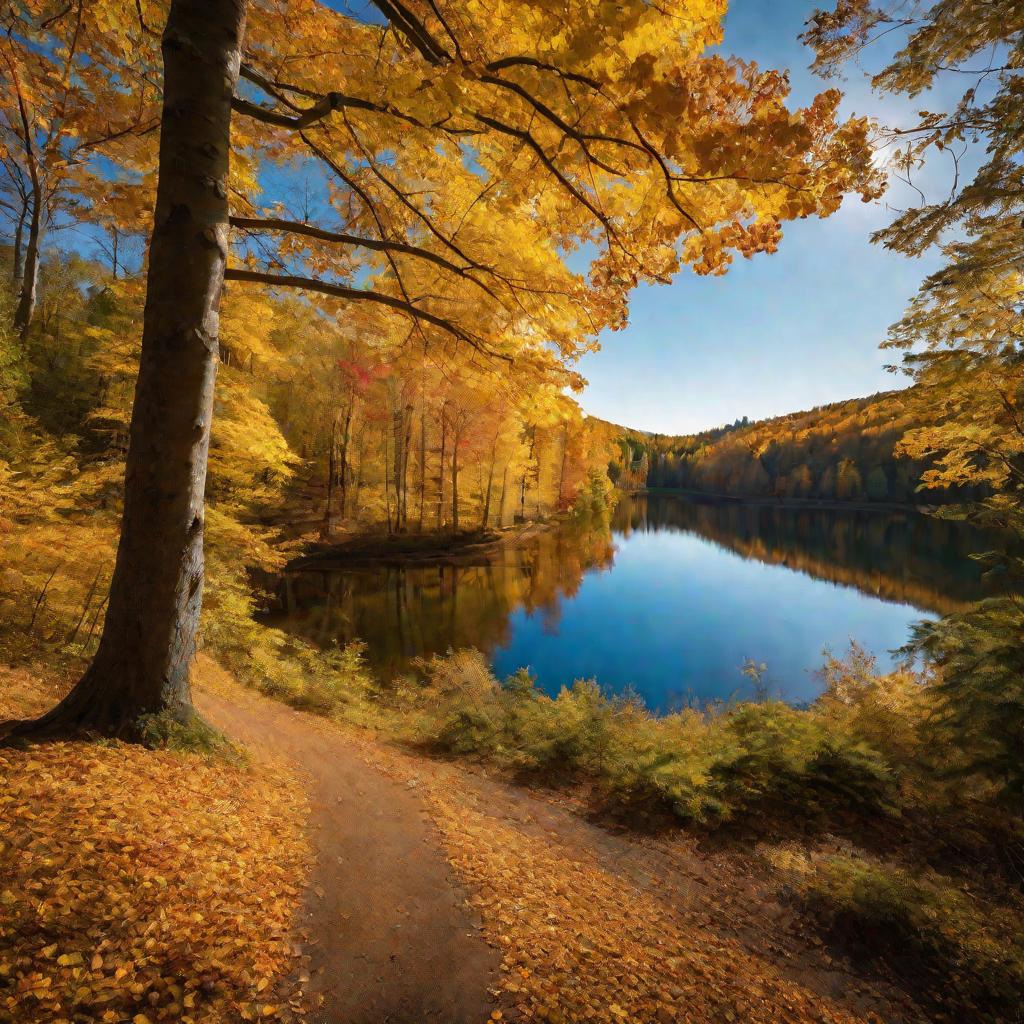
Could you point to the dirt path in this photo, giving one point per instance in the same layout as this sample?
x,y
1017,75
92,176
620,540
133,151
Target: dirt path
x,y
392,941
592,925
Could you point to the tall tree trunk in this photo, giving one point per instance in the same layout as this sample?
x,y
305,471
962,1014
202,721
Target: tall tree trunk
x,y
331,473
440,470
526,473
398,428
501,500
456,435
406,445
142,664
361,452
490,484
423,459
387,483
561,471
30,273
343,457
18,264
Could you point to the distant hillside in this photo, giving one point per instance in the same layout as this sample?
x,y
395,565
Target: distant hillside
x,y
837,452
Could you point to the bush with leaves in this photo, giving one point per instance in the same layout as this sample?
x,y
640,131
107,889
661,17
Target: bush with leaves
x,y
595,498
957,949
980,693
697,765
513,721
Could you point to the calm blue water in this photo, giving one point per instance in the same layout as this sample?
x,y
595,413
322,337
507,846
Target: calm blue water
x,y
669,599
676,616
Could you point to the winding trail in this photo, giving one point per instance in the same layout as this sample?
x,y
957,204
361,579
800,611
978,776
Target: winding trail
x,y
587,919
391,939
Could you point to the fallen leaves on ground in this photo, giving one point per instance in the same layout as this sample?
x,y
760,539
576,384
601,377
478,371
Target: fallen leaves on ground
x,y
147,886
24,695
580,946
587,937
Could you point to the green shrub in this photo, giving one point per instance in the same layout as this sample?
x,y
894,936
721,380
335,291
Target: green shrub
x,y
980,692
568,733
704,766
788,758
513,721
325,682
889,712
661,766
595,497
968,955
462,712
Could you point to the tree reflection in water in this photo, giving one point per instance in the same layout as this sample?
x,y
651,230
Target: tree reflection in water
x,y
403,611
897,555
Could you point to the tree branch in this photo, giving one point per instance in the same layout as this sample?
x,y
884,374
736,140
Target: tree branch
x,y
326,104
361,295
563,126
404,21
526,137
342,238
531,62
331,102
666,174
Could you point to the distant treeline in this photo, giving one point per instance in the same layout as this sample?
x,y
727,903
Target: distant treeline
x,y
898,556
845,451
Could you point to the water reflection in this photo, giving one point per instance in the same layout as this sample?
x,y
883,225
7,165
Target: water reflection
x,y
668,597
402,611
895,555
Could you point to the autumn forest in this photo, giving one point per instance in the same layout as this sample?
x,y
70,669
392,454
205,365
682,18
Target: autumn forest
x,y
361,661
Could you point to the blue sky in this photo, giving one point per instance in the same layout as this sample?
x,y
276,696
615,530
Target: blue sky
x,y
780,332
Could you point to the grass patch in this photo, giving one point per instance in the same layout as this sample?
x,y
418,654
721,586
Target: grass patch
x,y
193,736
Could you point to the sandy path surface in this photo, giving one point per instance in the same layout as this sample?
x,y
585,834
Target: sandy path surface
x,y
392,940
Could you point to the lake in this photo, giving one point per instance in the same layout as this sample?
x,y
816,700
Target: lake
x,y
667,598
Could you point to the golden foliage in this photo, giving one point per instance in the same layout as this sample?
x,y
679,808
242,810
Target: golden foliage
x,y
961,336
126,898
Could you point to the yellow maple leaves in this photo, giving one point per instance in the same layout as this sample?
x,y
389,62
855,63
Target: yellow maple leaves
x,y
499,135
123,900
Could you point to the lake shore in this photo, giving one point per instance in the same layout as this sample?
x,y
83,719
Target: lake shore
x,y
379,548
824,504
668,595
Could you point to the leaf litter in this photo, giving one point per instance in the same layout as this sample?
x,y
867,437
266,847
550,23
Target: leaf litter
x,y
146,886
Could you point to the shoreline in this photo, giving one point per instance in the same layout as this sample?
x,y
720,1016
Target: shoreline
x,y
376,547
368,550
821,504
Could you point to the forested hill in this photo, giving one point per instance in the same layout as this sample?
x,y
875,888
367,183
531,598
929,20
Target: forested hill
x,y
845,451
